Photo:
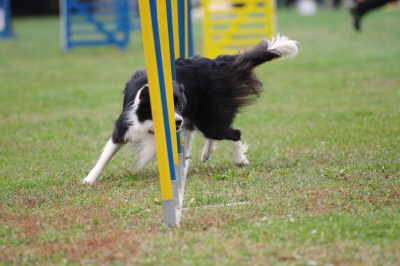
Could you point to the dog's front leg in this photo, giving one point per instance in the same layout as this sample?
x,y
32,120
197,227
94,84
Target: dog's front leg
x,y
109,151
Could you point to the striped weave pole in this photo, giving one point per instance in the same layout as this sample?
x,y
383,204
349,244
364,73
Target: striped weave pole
x,y
184,48
156,42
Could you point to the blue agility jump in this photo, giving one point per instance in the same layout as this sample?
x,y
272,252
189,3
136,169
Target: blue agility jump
x,y
95,22
5,19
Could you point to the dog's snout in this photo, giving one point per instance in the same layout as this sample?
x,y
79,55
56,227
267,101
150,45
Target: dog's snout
x,y
178,123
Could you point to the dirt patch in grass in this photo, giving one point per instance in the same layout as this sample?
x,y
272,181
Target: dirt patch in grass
x,y
24,223
101,248
75,234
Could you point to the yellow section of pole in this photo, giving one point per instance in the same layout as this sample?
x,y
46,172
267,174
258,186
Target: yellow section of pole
x,y
155,97
175,24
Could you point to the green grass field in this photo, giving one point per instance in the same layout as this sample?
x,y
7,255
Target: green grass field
x,y
323,187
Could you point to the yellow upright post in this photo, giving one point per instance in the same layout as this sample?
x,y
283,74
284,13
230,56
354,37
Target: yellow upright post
x,y
175,23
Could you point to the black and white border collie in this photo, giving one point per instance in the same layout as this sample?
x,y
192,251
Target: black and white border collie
x,y
208,95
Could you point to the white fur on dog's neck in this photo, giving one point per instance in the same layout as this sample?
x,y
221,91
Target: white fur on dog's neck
x,y
140,135
139,130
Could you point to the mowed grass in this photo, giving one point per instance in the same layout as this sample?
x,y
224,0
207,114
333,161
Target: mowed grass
x,y
323,187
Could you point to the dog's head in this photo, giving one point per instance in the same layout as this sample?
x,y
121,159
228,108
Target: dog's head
x,y
142,107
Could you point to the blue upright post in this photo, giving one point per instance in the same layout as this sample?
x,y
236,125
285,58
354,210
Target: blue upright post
x,y
5,19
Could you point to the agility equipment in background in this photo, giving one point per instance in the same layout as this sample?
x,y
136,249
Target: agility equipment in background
x,y
5,19
232,24
95,22
134,19
165,30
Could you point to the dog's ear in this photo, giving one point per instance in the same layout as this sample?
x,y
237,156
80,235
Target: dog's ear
x,y
183,97
181,88
144,92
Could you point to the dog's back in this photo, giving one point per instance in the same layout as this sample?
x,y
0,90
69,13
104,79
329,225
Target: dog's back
x,y
217,88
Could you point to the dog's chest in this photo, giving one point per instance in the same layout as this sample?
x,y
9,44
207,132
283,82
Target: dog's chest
x,y
140,132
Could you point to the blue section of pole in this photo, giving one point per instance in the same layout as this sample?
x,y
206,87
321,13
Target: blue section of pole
x,y
181,20
190,32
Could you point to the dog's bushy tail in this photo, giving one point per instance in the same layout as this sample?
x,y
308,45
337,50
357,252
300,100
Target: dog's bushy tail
x,y
247,87
267,50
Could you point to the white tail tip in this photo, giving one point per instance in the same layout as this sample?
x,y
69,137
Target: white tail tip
x,y
283,46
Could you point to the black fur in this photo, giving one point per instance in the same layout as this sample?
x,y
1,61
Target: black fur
x,y
215,90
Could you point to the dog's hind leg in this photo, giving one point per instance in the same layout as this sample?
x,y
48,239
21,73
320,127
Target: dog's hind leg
x,y
109,151
240,150
233,135
208,150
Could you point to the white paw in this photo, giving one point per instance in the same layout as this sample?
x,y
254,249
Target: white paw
x,y
205,155
90,179
204,158
243,161
208,150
